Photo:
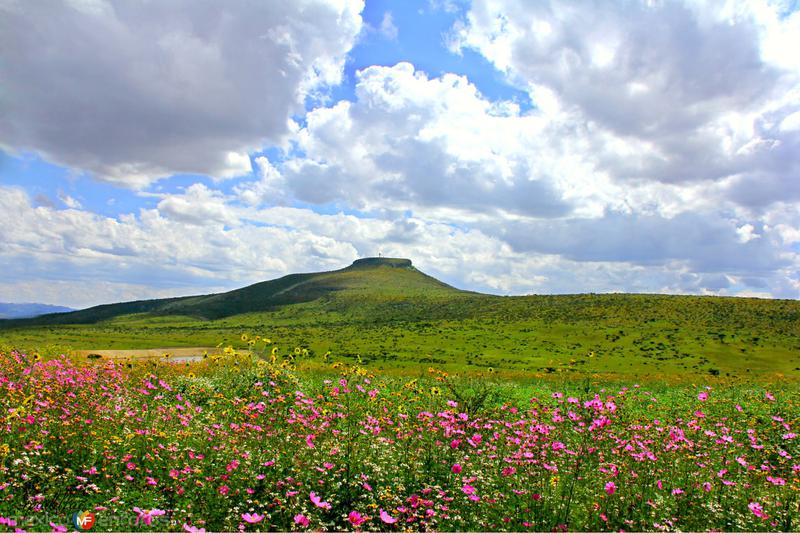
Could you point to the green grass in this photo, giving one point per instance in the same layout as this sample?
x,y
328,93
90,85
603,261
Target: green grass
x,y
395,317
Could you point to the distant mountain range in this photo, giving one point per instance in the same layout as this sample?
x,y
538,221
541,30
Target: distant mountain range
x,y
8,310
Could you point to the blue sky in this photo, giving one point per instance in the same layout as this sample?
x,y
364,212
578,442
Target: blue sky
x,y
505,147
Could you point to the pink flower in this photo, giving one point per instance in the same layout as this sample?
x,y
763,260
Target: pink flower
x,y
233,465
456,468
147,516
758,510
768,395
191,529
252,518
707,486
56,528
387,518
301,520
468,489
356,518
224,489
611,488
310,441
776,480
130,466
703,396
316,500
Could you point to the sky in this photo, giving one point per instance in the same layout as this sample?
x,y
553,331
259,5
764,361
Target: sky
x,y
155,149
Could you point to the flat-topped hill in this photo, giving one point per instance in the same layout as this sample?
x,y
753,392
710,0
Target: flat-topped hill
x,y
376,276
389,313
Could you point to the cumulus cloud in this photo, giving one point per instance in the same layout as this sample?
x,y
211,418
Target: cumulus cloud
x,y
410,141
136,91
667,91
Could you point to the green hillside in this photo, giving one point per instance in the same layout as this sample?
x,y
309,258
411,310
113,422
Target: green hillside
x,y
391,315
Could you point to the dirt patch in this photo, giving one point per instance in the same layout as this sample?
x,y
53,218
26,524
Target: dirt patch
x,y
180,354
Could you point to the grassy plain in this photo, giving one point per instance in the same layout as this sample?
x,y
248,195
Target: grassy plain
x,y
392,320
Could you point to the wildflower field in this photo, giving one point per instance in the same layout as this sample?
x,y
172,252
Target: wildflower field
x,y
241,442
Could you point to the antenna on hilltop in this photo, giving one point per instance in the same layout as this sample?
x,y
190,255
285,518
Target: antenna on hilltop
x,y
380,254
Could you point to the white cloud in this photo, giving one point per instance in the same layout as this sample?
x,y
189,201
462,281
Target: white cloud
x,y
698,91
77,258
137,91
388,29
69,201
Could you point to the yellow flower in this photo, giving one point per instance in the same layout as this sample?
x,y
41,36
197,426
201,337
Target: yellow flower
x,y
297,351
274,350
267,341
435,391
245,337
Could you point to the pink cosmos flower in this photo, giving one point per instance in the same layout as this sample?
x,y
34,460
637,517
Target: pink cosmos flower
x,y
252,518
776,480
356,518
310,441
233,465
456,468
192,529
301,520
316,500
468,489
611,488
703,396
758,510
147,516
707,486
56,528
387,518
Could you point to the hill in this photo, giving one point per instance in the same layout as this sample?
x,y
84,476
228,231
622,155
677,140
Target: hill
x,y
29,310
370,276
391,315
